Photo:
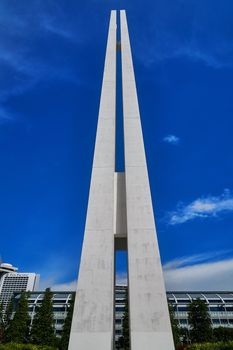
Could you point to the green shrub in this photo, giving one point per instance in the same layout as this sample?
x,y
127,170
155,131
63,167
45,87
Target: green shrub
x,y
14,346
212,346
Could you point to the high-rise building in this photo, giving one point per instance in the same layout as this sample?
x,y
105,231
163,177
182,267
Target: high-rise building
x,y
12,281
120,216
6,268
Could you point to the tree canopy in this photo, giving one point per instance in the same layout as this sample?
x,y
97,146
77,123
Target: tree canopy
x,y
200,322
43,323
67,326
18,330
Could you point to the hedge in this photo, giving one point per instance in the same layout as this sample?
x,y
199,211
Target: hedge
x,y
14,346
211,346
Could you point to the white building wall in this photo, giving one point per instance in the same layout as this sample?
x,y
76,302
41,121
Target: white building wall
x,y
16,282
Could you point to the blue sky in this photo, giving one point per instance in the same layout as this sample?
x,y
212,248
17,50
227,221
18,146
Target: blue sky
x,y
51,65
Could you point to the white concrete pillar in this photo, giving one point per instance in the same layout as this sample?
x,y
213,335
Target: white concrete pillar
x,y
93,324
149,318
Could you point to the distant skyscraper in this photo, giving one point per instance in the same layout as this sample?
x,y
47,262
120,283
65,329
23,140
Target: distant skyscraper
x,y
12,281
120,216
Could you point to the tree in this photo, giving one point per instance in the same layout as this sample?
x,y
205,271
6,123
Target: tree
x,y
6,318
184,335
42,332
126,337
2,324
223,334
200,322
8,314
18,330
174,325
67,326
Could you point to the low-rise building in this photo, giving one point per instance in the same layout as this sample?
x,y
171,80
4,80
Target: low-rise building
x,y
220,305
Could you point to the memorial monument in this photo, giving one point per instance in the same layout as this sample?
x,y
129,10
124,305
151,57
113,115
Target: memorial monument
x,y
120,216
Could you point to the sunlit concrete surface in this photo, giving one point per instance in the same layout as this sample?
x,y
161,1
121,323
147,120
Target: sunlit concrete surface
x,y
120,216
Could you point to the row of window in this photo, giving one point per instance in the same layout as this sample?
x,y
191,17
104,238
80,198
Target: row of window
x,y
214,321
211,308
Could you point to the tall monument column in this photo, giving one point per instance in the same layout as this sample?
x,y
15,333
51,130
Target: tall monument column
x,y
92,325
149,318
120,216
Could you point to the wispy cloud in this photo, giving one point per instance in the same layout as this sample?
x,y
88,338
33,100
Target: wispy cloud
x,y
121,278
22,63
199,42
205,271
69,286
6,116
172,139
50,25
204,207
55,277
191,53
196,54
194,259
199,272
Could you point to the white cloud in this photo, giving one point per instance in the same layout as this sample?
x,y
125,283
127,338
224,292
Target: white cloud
x,y
203,207
51,25
121,279
195,54
174,140
69,286
59,268
207,271
187,273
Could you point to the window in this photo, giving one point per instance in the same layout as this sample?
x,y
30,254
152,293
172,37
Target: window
x,y
215,321
182,308
59,309
229,308
60,321
183,321
224,321
120,308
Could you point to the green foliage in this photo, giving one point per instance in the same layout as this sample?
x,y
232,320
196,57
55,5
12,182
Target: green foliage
x,y
18,330
15,346
64,342
126,336
5,319
8,314
2,324
184,335
42,332
174,325
200,322
211,346
223,334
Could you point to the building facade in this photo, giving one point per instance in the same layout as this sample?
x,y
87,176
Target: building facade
x,y
61,303
6,268
12,281
220,305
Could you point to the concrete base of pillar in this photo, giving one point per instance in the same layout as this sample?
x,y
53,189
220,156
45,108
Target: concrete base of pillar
x,y
152,341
